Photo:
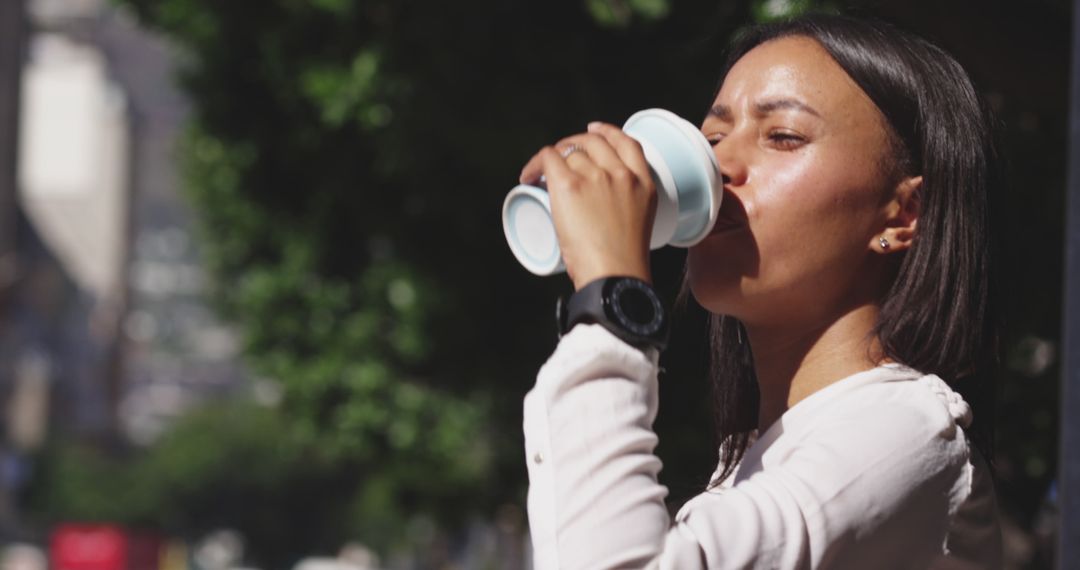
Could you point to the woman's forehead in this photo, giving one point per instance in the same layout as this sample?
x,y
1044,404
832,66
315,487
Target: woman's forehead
x,y
792,68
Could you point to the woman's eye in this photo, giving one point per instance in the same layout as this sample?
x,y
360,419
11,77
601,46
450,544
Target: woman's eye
x,y
786,139
714,139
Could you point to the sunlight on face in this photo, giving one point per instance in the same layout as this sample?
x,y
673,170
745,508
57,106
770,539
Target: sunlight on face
x,y
801,148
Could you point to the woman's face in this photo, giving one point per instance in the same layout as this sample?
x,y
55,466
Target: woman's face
x,y
803,152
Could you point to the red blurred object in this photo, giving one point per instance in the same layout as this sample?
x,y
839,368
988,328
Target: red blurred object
x,y
88,547
102,547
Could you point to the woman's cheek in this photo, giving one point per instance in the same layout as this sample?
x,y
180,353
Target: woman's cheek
x,y
720,267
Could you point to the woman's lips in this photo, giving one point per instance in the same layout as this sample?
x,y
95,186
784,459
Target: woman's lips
x,y
731,216
723,226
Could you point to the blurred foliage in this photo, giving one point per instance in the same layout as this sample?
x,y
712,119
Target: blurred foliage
x,y
240,466
348,161
775,10
225,466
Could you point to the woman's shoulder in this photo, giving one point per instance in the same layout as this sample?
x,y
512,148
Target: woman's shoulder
x,y
897,431
887,398
883,457
891,419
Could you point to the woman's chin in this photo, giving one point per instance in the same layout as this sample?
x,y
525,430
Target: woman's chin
x,y
716,293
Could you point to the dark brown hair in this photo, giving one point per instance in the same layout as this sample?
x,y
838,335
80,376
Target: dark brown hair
x,y
936,317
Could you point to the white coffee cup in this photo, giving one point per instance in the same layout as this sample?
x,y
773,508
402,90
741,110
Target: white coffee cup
x,y
688,186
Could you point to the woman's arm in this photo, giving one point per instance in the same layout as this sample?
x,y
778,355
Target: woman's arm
x,y
594,501
875,486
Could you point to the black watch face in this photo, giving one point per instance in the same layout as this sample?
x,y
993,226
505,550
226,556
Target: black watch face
x,y
636,307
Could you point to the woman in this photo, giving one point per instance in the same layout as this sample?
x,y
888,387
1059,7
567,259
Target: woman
x,y
847,277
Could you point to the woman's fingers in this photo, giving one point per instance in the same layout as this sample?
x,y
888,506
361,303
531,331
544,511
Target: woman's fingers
x,y
600,158
604,151
602,203
628,150
533,170
548,162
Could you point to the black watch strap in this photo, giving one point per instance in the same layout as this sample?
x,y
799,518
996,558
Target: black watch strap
x,y
628,307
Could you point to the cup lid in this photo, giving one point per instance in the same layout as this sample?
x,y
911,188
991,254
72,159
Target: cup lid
x,y
693,165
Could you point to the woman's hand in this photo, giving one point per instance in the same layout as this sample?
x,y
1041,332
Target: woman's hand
x,y
603,201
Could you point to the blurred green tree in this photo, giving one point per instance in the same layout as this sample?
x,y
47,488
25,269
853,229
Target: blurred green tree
x,y
227,466
347,161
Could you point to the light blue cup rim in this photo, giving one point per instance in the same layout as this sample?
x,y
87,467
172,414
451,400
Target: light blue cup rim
x,y
514,199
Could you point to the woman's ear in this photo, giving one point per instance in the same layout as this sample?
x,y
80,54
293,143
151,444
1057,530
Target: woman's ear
x,y
901,217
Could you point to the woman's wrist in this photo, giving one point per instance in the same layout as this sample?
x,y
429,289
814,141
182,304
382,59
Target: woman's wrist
x,y
626,306
637,271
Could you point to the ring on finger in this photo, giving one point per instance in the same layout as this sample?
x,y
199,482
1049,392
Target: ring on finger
x,y
570,149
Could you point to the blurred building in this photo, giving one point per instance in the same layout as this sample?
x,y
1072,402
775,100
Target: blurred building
x,y
130,243
105,332
74,191
177,354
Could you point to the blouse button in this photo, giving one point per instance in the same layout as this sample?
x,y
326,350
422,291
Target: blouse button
x,y
538,458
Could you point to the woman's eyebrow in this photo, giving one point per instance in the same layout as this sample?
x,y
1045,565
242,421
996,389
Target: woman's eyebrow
x,y
766,107
722,112
761,108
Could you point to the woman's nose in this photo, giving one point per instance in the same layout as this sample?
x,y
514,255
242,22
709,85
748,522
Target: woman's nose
x,y
732,162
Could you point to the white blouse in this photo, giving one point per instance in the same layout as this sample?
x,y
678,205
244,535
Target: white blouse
x,y
872,471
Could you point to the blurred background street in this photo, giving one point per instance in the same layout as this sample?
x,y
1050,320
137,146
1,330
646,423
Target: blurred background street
x,y
257,309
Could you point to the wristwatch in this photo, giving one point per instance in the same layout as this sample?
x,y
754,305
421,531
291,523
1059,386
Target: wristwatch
x,y
626,306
